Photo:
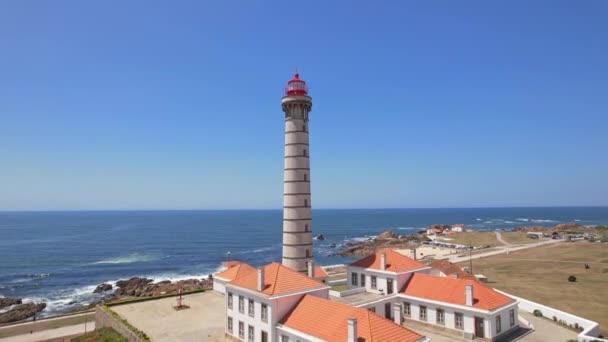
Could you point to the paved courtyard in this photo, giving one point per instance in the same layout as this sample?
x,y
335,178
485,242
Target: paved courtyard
x,y
204,321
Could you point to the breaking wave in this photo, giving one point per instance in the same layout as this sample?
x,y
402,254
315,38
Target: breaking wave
x,y
129,259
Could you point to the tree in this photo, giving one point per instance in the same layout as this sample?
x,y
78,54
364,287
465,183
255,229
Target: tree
x,y
572,279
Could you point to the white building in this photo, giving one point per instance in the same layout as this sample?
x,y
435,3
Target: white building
x,y
276,303
397,284
458,228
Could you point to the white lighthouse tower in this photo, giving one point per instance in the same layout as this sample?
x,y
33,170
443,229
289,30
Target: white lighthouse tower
x,y
297,215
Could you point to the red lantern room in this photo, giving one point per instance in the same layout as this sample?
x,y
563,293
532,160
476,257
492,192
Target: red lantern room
x,y
296,87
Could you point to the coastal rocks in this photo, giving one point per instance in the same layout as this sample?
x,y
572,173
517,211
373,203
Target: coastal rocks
x,y
102,288
6,302
320,237
333,245
20,312
385,239
144,287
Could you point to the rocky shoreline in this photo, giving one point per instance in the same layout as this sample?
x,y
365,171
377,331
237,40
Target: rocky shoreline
x,y
14,310
385,239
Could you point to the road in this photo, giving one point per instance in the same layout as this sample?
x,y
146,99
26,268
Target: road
x,y
501,249
47,334
499,238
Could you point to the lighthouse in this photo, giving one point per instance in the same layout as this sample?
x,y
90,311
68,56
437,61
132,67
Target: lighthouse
x,y
297,214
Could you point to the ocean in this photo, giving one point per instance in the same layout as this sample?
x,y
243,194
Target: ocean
x,y
60,257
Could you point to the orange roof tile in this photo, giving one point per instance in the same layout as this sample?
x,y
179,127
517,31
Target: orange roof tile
x,y
395,262
320,272
235,270
450,290
333,326
278,279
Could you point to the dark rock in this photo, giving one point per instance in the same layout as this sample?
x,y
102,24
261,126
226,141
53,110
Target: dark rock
x,y
387,235
320,237
6,302
102,288
333,245
21,312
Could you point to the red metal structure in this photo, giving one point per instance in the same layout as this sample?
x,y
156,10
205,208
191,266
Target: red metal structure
x,y
296,87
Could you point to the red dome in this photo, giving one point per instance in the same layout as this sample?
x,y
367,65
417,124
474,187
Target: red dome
x,y
296,86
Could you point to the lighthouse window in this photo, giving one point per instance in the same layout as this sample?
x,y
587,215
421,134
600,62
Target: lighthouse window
x,y
305,227
304,152
308,253
305,177
306,203
304,128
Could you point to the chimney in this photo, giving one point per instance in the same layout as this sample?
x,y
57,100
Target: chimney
x,y
260,279
455,275
352,329
383,261
311,268
468,293
398,313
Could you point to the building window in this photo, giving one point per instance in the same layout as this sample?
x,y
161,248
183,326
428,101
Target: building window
x,y
241,329
305,177
440,317
251,308
229,300
374,283
264,313
353,279
308,253
304,153
407,311
264,336
423,313
458,321
284,338
304,128
372,309
389,286
241,304
250,334
230,326
305,227
387,311
511,317
362,280
306,203
498,325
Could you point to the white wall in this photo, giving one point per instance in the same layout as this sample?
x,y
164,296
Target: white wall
x,y
219,285
590,331
256,321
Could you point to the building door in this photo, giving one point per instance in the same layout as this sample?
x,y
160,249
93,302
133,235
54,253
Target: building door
x,y
479,330
387,310
389,286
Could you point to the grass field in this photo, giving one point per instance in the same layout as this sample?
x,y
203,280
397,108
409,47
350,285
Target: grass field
x,y
101,335
541,275
475,238
517,238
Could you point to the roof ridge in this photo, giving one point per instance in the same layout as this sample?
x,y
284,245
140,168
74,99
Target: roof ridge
x,y
276,276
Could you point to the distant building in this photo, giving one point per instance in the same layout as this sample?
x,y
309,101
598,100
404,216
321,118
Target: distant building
x,y
459,228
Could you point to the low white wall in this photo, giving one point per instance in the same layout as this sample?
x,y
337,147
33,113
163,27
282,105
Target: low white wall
x,y
590,331
347,292
337,282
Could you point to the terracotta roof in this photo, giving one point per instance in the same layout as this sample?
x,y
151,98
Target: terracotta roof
x,y
448,268
450,290
320,272
395,262
231,263
328,320
235,270
278,279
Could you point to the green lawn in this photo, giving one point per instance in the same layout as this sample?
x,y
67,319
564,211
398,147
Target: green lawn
x,y
475,238
339,288
101,335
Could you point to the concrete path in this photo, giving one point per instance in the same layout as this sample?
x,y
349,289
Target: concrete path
x,y
499,238
48,334
546,330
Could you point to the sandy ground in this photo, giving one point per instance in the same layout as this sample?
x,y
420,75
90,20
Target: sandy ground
x,y
204,321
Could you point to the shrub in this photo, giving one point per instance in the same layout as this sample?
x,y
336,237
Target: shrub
x,y
554,319
572,279
576,326
538,313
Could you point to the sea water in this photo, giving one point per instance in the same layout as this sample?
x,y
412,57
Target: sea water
x,y
60,257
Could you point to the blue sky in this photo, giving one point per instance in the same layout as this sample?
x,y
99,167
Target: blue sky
x,y
176,105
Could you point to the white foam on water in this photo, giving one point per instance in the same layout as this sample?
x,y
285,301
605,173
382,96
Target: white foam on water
x,y
523,219
129,259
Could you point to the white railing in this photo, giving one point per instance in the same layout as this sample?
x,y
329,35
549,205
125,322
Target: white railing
x,y
590,331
